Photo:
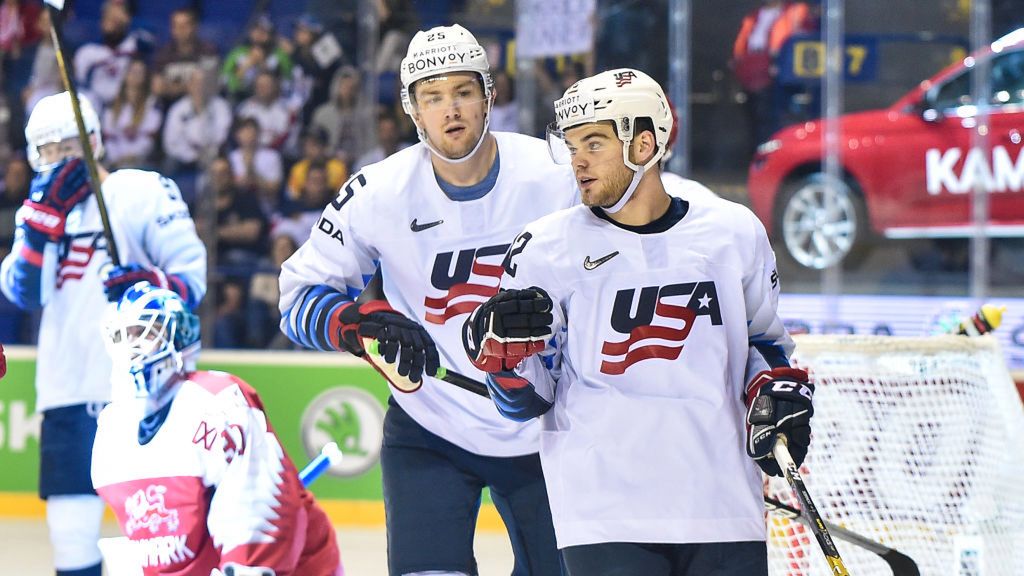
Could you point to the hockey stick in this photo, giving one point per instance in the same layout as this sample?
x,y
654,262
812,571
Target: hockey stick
x,y
374,290
57,35
813,519
899,563
329,455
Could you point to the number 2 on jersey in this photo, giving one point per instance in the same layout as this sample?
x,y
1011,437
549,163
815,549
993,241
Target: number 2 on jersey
x,y
517,246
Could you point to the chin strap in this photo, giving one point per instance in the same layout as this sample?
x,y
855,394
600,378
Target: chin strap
x,y
637,176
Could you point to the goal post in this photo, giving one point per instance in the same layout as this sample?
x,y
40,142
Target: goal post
x,y
918,443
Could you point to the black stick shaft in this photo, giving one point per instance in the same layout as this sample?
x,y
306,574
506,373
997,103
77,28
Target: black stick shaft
x,y
57,35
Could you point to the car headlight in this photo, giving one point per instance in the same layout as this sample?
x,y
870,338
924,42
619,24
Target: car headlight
x,y
770,146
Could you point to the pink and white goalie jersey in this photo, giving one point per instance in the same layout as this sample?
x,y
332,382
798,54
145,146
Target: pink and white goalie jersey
x,y
212,487
655,336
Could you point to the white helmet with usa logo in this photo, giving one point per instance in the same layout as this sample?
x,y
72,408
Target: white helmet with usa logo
x,y
621,96
439,51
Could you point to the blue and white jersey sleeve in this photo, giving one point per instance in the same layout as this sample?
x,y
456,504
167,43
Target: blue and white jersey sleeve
x,y
28,273
770,344
330,269
167,232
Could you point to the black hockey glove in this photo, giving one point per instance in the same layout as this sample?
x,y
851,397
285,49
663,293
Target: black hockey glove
x,y
778,402
401,340
510,326
53,195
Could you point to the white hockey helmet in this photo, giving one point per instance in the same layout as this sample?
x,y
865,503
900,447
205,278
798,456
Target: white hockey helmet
x,y
152,336
438,51
620,96
53,120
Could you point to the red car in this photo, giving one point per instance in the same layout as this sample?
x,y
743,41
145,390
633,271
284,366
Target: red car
x,y
907,170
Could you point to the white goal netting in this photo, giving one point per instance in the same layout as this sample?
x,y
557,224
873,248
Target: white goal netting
x,y
918,443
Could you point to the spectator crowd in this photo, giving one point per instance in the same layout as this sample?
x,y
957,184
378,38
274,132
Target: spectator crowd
x,y
259,136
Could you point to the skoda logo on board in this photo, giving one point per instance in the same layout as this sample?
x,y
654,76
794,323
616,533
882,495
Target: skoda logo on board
x,y
351,417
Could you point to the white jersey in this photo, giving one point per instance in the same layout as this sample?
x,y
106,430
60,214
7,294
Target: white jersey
x,y
676,185
439,258
653,343
212,486
152,227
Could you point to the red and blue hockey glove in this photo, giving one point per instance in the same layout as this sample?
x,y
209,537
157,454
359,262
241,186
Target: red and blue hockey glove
x,y
779,401
400,339
510,326
53,195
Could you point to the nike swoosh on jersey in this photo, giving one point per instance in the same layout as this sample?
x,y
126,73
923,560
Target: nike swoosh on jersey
x,y
591,264
415,227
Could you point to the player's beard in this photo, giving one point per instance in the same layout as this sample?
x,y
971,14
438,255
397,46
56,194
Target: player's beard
x,y
612,188
460,149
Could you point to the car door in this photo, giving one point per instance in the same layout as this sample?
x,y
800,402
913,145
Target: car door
x,y
1006,124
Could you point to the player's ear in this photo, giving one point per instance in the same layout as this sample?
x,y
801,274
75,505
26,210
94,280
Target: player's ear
x,y
643,147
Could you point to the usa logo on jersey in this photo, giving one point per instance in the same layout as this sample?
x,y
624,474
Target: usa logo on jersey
x,y
466,279
660,318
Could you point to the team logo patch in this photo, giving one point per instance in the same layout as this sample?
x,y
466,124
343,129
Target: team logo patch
x,y
145,509
466,279
352,418
76,253
659,324
624,78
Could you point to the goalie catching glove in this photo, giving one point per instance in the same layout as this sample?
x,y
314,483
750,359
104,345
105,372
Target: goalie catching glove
x,y
400,339
510,326
779,401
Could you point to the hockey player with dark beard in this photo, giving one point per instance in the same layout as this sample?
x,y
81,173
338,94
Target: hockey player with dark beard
x,y
641,330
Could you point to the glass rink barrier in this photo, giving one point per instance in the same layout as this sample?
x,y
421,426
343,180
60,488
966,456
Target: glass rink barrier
x,y
878,142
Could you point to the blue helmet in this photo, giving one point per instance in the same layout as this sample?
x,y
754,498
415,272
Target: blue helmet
x,y
149,332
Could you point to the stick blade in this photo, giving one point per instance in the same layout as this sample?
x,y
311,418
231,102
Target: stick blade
x,y
901,564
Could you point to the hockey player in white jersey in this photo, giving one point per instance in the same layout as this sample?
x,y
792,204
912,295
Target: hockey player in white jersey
x,y
59,263
437,218
188,461
639,327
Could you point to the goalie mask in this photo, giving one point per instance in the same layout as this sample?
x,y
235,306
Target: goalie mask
x,y
621,97
53,121
436,53
152,337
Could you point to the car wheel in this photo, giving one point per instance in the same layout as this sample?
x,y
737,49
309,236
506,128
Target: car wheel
x,y
822,221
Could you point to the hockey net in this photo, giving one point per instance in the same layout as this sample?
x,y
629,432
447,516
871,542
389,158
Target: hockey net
x,y
918,443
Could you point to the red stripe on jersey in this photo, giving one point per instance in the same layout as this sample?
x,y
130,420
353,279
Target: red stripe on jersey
x,y
31,256
488,270
642,353
453,310
641,332
460,290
